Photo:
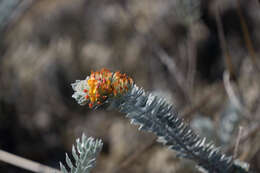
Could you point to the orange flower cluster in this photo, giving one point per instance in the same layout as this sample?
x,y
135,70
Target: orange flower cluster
x,y
103,84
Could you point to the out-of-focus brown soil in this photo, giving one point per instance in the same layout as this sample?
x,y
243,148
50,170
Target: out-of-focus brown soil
x,y
56,42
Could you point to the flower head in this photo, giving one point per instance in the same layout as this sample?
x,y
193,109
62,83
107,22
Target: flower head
x,y
99,86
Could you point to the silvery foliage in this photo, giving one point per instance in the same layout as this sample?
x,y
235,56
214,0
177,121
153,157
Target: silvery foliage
x,y
84,154
154,114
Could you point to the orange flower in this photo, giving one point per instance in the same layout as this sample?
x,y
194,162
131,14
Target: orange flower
x,y
101,85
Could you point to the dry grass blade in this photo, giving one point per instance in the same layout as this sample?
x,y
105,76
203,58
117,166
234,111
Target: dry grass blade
x,y
132,158
251,132
238,141
235,96
189,111
174,71
248,41
25,163
223,45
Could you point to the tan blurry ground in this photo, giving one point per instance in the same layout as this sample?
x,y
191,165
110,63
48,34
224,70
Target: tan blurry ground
x,y
56,42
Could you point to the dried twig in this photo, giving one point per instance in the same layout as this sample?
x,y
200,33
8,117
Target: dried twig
x,y
251,132
174,70
25,163
192,63
223,45
132,158
181,81
232,92
248,41
237,141
235,96
188,111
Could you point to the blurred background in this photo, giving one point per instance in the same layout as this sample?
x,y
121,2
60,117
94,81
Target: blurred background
x,y
202,55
